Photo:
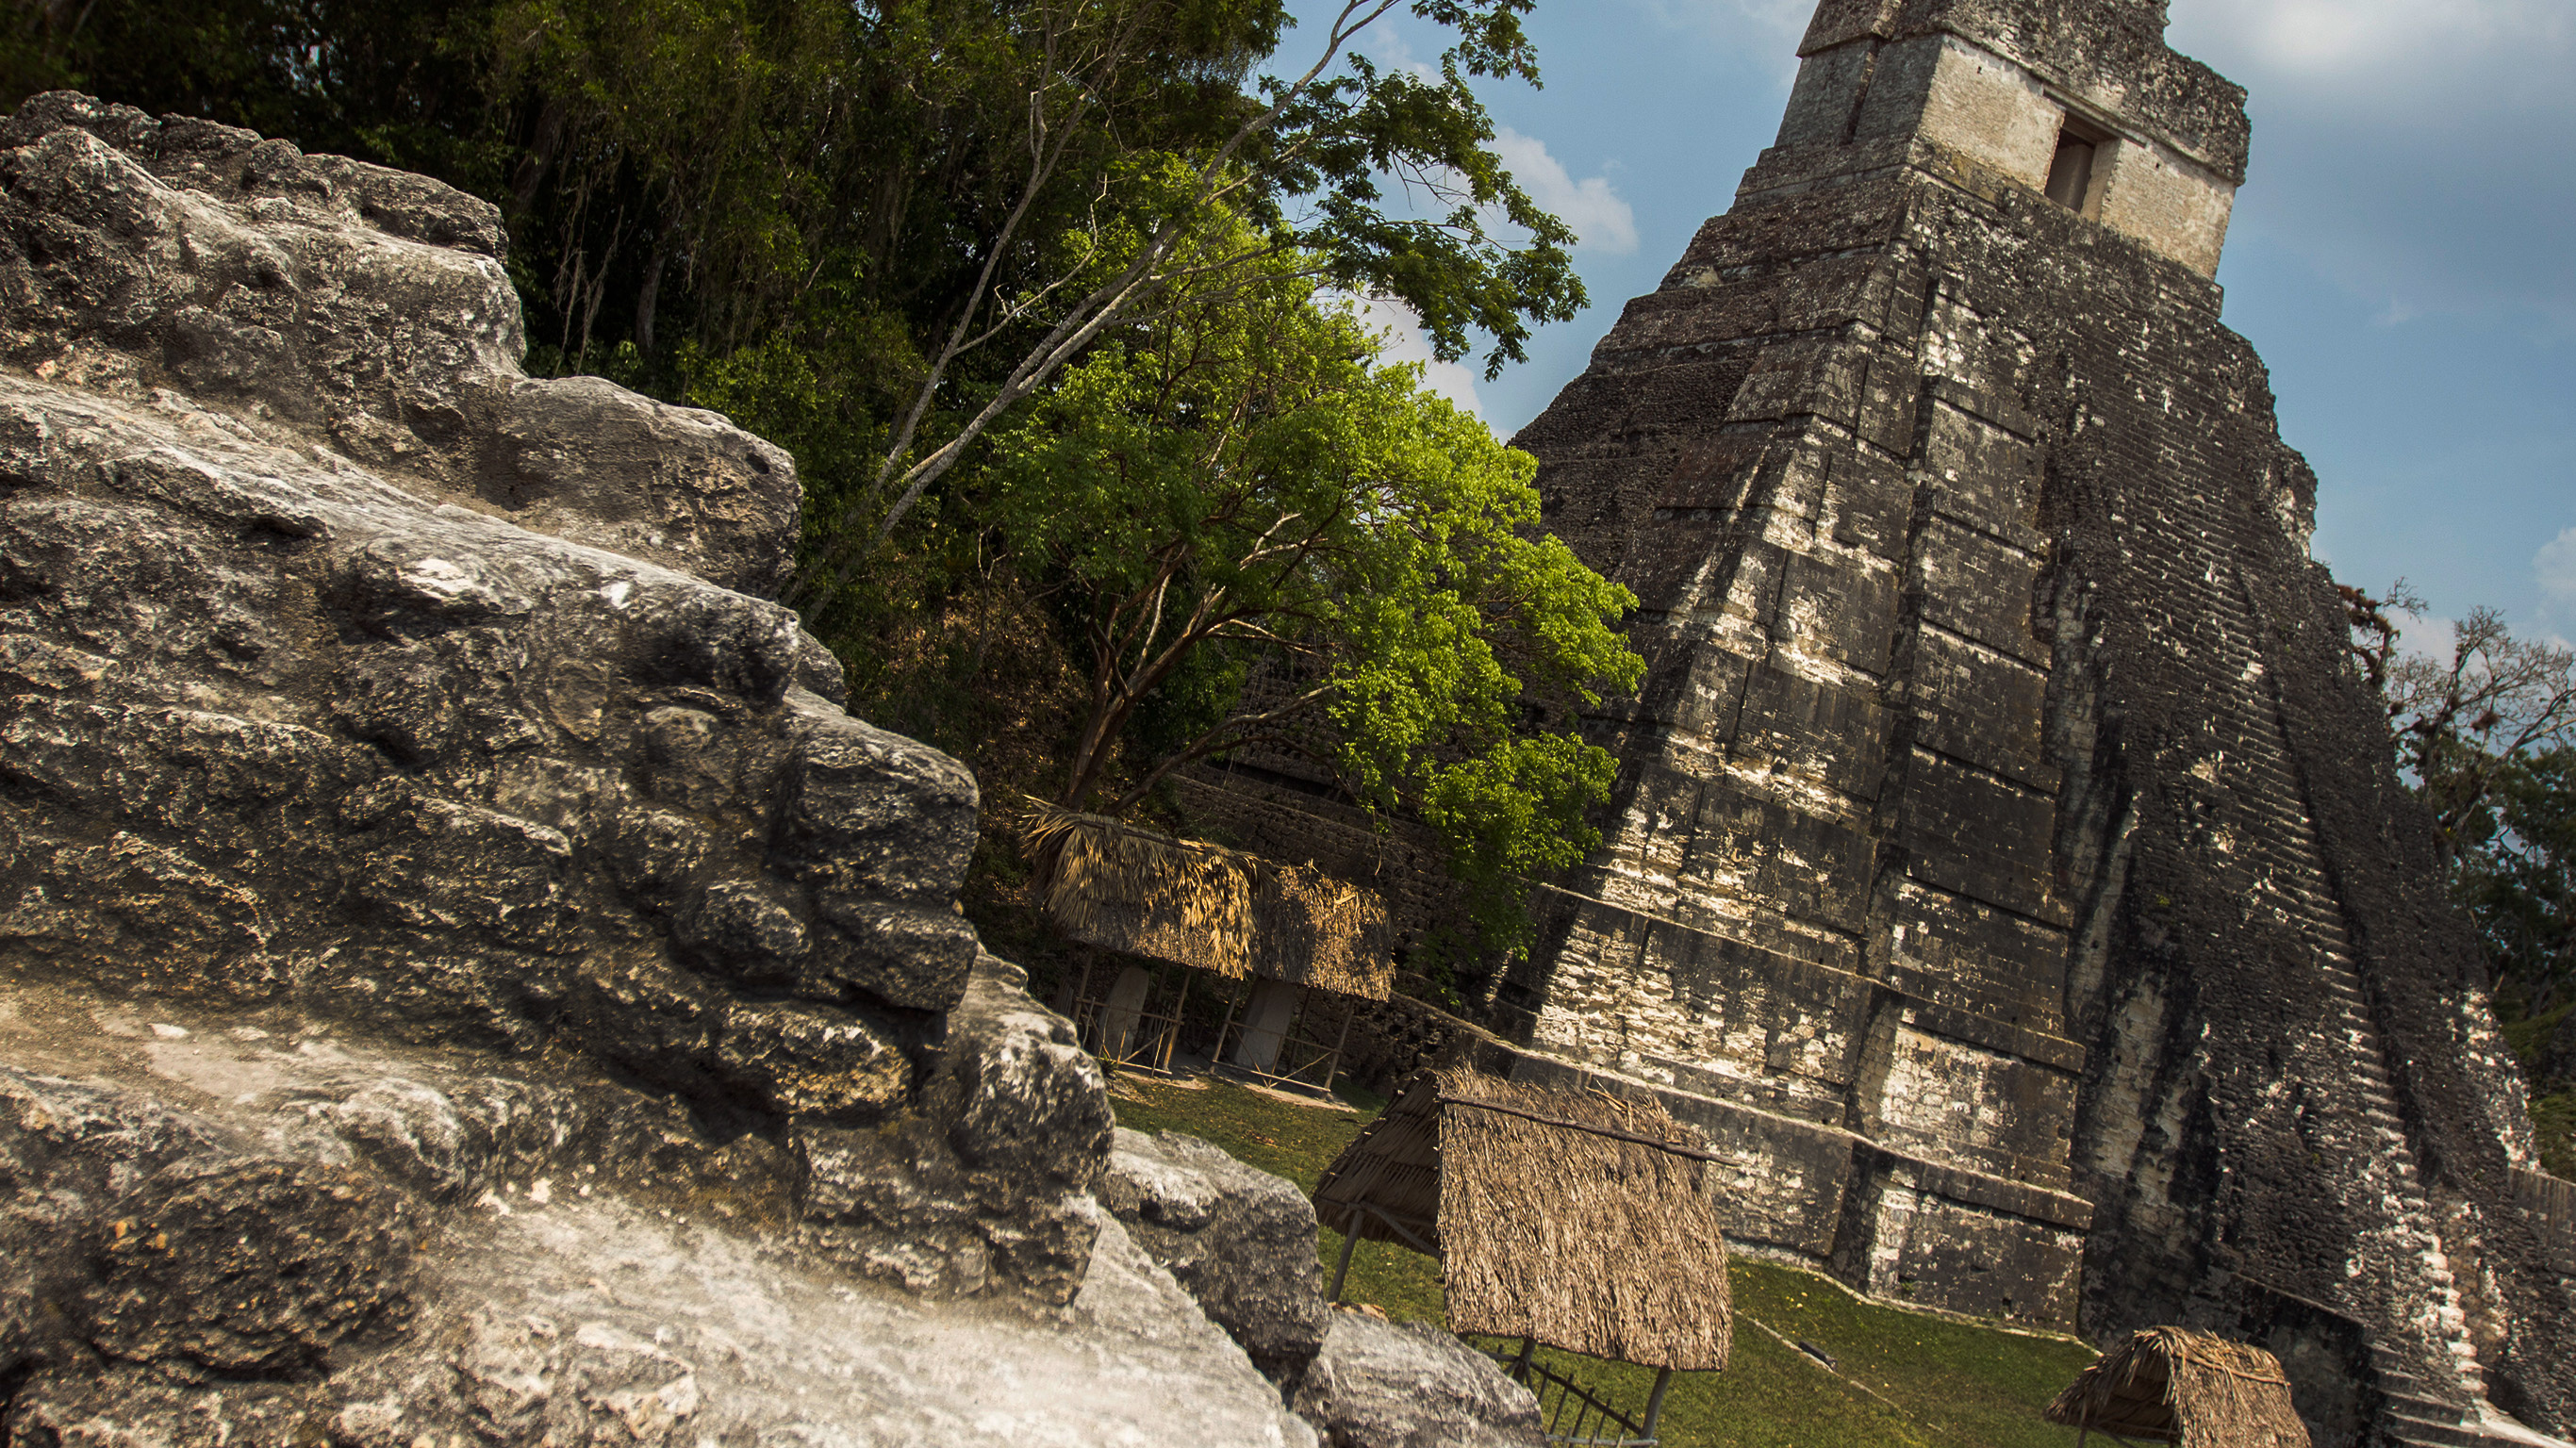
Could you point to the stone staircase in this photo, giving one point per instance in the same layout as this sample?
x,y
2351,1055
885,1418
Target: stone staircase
x,y
2428,1403
2444,1320
2446,1411
2416,1416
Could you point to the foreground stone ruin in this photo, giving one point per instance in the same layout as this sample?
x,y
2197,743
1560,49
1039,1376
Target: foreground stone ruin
x,y
2007,869
464,976
461,983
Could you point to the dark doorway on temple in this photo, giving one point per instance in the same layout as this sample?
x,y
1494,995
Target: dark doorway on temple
x,y
2080,150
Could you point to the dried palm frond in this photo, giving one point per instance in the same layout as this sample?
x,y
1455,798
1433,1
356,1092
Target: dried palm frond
x,y
2174,1385
1314,930
1139,892
1576,1218
1132,890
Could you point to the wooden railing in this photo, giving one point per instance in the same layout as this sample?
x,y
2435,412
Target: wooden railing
x,y
2551,1205
1573,1413
1145,1037
1304,1057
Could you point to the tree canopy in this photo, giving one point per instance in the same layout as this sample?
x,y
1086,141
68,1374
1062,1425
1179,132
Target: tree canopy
x,y
2485,733
688,179
1046,297
2468,717
1235,493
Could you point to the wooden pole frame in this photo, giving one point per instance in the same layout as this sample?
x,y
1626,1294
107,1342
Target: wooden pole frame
x,y
1180,1011
1342,1268
1655,1401
1081,997
1234,1001
1333,1067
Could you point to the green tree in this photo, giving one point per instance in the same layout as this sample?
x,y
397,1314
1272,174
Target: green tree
x,y
2463,722
873,228
1235,492
399,82
2520,886
2486,735
2520,882
1305,162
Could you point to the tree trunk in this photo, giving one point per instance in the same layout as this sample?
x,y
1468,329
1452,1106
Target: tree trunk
x,y
646,299
546,140
1091,753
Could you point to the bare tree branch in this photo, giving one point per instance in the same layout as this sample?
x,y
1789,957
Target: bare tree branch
x,y
1085,319
1231,734
2460,721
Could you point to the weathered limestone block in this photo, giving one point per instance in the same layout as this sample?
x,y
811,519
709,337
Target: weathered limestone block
x,y
365,304
990,1179
1379,1384
324,692
1239,1240
249,1268
312,712
259,1228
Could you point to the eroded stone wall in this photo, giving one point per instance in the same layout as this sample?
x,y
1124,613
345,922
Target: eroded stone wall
x,y
1999,798
1995,84
1826,894
2007,872
324,693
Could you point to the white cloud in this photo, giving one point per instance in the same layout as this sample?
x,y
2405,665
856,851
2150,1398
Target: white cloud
x,y
2555,566
1768,29
2428,635
2349,39
1602,220
1401,331
2412,151
1386,45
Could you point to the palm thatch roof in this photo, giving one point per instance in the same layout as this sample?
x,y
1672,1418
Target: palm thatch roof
x,y
1576,1218
2174,1385
1139,892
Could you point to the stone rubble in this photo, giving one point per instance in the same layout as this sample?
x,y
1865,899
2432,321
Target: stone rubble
x,y
1380,1384
463,976
258,1228
1240,1241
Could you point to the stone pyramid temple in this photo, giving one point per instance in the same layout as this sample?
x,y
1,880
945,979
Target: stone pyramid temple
x,y
2007,871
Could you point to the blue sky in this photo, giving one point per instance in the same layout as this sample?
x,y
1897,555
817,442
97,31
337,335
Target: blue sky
x,y
2403,255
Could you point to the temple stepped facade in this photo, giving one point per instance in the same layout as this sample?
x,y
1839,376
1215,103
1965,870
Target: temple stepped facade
x,y
2006,871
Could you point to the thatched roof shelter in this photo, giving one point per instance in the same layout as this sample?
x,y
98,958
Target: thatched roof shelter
x,y
1576,1218
1140,892
2174,1385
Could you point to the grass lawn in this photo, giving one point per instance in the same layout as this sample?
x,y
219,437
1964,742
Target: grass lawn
x,y
1905,1378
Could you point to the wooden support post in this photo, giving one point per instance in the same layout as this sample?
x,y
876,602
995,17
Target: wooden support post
x,y
1655,1402
1180,1010
1342,1268
1081,991
1232,1004
1333,1064
1520,1365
